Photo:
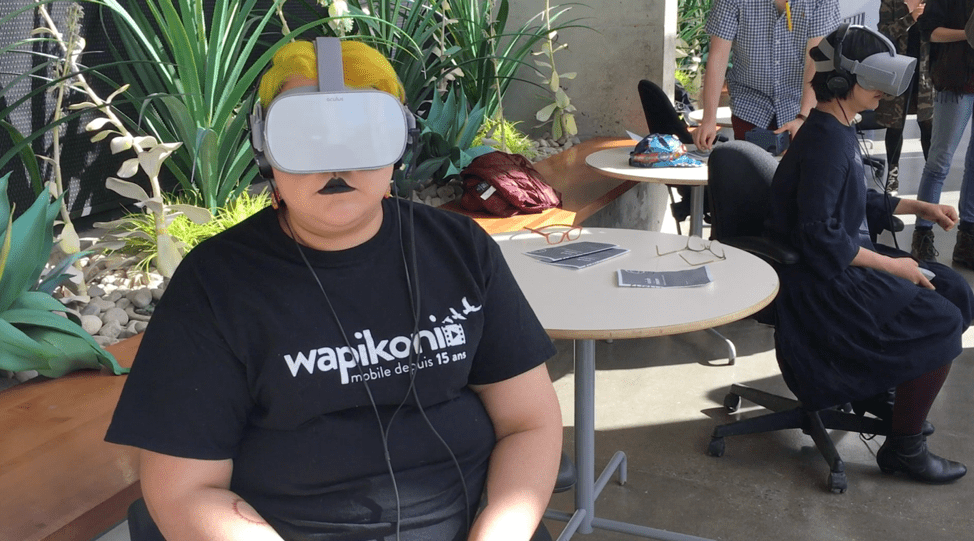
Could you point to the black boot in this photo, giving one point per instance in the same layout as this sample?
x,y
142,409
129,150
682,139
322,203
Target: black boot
x,y
881,406
909,454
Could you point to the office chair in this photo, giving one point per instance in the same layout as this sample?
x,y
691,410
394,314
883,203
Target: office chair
x,y
740,183
143,528
661,117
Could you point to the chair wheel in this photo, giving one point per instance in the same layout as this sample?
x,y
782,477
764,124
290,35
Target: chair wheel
x,y
732,402
716,447
837,482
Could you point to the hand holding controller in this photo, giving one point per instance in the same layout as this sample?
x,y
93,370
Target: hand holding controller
x,y
927,273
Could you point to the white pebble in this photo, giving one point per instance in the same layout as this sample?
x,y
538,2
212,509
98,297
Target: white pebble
x,y
104,340
25,375
91,323
142,297
111,330
115,314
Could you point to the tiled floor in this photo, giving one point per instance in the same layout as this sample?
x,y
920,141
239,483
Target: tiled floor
x,y
659,399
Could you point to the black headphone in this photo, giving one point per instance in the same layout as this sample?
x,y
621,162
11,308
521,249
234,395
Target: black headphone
x,y
255,122
840,80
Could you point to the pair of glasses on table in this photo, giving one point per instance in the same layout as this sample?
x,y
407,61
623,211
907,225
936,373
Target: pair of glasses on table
x,y
698,251
558,233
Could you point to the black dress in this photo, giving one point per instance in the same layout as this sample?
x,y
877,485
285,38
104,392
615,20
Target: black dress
x,y
845,332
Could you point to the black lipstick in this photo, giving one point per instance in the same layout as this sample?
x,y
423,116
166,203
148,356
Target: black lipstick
x,y
335,185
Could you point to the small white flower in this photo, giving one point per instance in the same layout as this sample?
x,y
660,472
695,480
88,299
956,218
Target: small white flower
x,y
339,8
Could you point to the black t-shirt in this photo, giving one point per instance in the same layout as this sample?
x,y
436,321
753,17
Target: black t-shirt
x,y
246,359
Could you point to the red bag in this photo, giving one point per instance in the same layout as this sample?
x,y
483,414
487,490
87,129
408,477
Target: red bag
x,y
504,185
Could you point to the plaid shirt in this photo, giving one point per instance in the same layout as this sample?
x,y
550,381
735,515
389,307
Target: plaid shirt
x,y
765,81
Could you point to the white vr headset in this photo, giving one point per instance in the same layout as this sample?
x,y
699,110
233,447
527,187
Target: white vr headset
x,y
888,72
329,127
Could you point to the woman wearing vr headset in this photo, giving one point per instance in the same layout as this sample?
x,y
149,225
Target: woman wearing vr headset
x,y
345,365
855,318
952,72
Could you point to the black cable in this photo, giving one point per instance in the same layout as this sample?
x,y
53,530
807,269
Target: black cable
x,y
883,185
416,305
358,365
413,288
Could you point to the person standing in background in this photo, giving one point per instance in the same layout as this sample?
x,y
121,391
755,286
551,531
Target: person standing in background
x,y
769,83
897,20
952,73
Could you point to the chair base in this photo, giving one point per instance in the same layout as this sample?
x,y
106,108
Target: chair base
x,y
789,413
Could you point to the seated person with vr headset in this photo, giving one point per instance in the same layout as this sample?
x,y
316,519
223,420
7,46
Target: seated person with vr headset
x,y
856,319
345,365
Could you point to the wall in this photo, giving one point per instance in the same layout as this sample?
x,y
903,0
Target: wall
x,y
848,8
629,41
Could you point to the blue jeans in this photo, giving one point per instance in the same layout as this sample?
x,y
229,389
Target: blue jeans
x,y
951,112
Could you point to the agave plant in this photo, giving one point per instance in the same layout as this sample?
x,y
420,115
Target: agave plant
x,y
33,336
446,139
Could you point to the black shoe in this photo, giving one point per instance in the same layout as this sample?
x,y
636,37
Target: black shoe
x,y
909,454
881,407
680,210
922,248
964,249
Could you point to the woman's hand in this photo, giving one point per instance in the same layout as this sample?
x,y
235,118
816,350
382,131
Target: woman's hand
x,y
908,269
904,267
943,215
915,7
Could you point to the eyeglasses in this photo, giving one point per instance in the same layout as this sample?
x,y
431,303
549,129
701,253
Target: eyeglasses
x,y
698,246
557,233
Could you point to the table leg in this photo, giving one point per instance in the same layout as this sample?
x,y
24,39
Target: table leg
x,y
586,487
731,349
696,211
696,230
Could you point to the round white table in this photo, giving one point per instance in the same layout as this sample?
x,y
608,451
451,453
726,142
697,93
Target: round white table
x,y
614,162
587,305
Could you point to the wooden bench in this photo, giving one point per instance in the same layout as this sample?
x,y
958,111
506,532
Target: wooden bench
x,y
583,190
59,479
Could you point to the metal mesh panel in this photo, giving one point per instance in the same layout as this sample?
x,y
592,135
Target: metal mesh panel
x,y
85,165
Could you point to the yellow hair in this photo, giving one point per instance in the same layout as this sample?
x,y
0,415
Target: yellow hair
x,y
364,67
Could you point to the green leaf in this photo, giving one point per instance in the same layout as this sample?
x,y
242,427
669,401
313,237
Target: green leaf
x,y
5,211
5,247
545,113
30,245
26,155
17,343
61,339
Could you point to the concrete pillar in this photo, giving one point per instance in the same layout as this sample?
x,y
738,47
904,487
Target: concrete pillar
x,y
645,206
630,40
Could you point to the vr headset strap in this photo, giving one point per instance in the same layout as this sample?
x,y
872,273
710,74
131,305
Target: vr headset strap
x,y
331,73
